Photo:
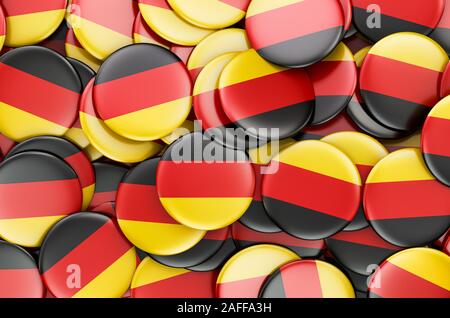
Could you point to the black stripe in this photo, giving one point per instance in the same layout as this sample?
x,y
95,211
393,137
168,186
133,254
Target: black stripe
x,y
144,173
140,254
60,33
442,36
217,260
15,257
66,235
234,137
395,113
328,107
84,71
358,281
273,287
302,222
45,64
411,232
359,222
256,218
389,25
299,250
309,49
108,176
439,166
134,59
350,32
34,166
307,136
54,145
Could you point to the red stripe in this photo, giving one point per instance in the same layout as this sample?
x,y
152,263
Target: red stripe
x,y
341,123
183,52
102,197
19,7
364,171
139,202
401,80
258,181
195,72
303,281
106,244
238,4
415,11
41,98
82,167
208,109
445,19
77,124
217,235
391,281
106,208
157,3
333,78
367,237
115,103
434,139
21,283
244,288
203,180
45,198
141,27
267,93
294,21
313,191
71,39
407,199
6,144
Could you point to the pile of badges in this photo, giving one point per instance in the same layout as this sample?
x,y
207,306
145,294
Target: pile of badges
x,y
225,148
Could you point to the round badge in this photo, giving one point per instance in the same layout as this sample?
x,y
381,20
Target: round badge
x,y
144,221
29,23
307,279
244,273
245,237
334,80
73,156
86,256
142,33
400,87
341,122
218,43
50,190
75,50
19,273
49,93
314,192
154,280
436,149
204,185
99,33
281,30
83,70
183,52
210,14
364,152
107,180
441,33
161,92
168,25
108,142
377,19
259,96
403,201
412,273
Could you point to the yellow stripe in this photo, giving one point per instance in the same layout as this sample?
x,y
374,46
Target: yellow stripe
x,y
216,44
32,28
171,27
401,165
160,238
412,48
412,141
426,263
114,146
265,153
333,282
186,128
247,66
360,148
442,109
255,261
82,55
149,271
340,53
92,153
261,6
361,55
206,213
334,163
19,125
154,122
2,41
98,40
88,193
114,281
27,232
139,38
77,136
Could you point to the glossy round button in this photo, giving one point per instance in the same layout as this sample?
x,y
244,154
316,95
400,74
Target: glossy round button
x,y
210,14
168,25
73,156
29,23
160,92
376,19
19,273
307,279
403,201
102,34
280,30
204,185
86,256
400,79
314,192
142,33
441,33
83,70
244,273
49,189
75,50
436,150
49,93
365,152
142,218
258,96
107,179
2,28
107,142
412,273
